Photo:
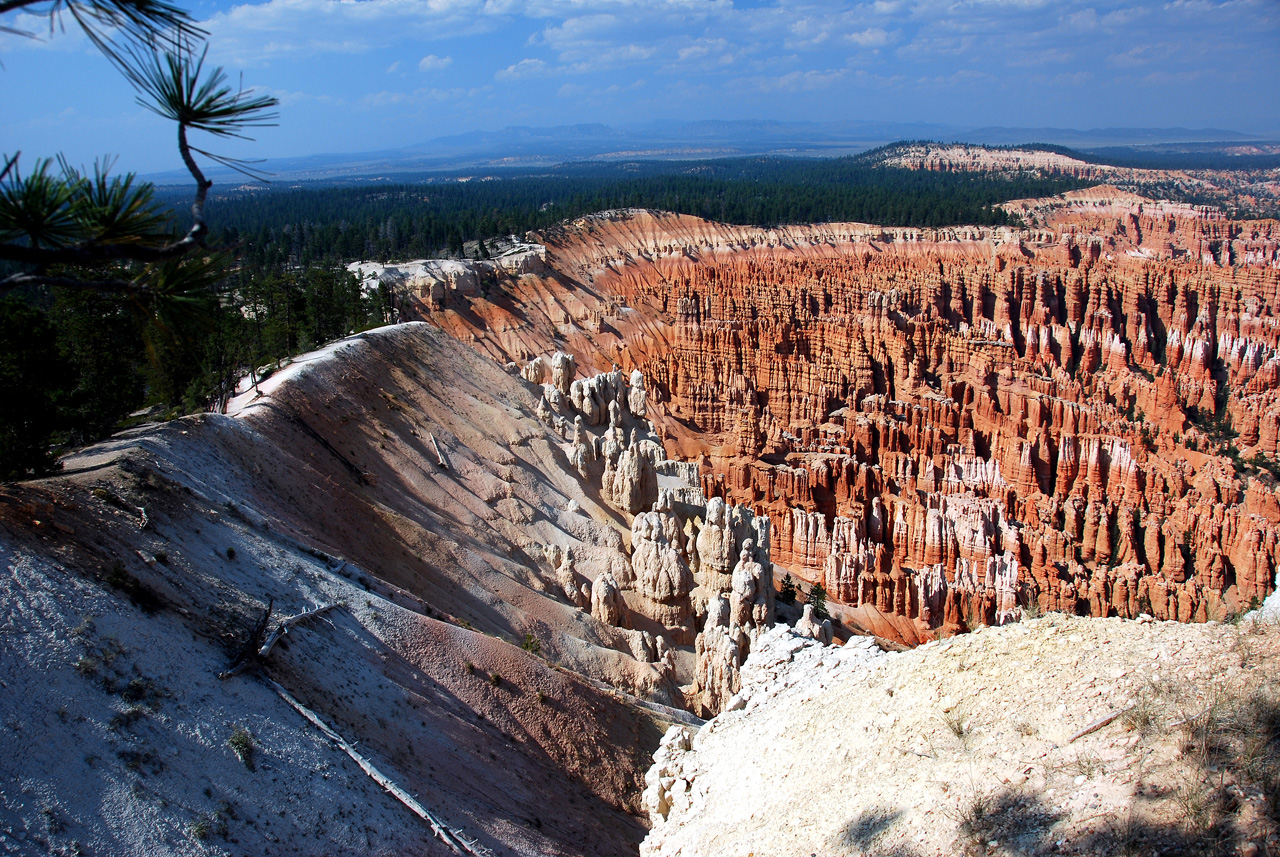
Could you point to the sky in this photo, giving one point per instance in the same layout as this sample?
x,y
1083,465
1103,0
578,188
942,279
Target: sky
x,y
365,75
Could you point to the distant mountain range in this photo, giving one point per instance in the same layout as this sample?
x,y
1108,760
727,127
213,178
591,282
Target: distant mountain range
x,y
520,147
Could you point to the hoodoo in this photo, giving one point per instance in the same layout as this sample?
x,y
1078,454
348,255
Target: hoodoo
x,y
947,428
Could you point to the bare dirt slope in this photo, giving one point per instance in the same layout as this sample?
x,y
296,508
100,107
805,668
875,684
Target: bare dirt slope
x,y
130,581
980,744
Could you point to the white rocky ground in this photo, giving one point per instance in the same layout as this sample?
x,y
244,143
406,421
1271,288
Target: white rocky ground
x,y
966,745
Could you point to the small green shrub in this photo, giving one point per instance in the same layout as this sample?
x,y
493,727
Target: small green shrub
x,y
207,826
119,578
124,719
52,823
140,761
139,690
956,724
531,645
241,743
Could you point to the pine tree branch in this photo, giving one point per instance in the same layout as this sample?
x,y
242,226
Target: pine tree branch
x,y
9,165
89,254
198,227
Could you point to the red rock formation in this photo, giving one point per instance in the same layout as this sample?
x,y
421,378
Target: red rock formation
x,y
948,425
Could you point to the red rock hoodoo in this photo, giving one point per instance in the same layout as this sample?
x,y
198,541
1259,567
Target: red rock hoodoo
x,y
950,426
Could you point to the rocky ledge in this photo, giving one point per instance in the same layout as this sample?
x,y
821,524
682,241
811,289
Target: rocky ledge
x,y
1055,735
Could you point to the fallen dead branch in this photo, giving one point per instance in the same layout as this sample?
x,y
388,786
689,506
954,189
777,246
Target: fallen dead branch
x,y
454,839
283,628
1098,724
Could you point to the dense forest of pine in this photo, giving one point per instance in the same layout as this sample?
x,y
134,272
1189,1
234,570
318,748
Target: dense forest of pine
x,y
75,365
436,216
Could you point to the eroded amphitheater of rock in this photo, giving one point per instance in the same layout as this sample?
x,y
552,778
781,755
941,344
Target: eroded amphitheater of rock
x,y
946,428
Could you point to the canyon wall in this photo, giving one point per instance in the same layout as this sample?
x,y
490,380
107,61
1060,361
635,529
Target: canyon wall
x,y
952,427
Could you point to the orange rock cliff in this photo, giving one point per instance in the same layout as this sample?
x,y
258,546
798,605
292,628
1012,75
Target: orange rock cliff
x,y
949,427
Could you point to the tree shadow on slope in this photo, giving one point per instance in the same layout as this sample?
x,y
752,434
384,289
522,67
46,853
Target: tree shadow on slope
x,y
425,720
863,832
1021,825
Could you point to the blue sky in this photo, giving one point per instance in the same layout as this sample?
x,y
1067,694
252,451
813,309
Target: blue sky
x,y
359,75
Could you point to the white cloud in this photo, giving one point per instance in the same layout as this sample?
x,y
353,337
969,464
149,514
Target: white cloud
x,y
872,37
525,68
288,98
431,62
33,32
382,99
1122,17
702,48
618,55
252,34
574,30
375,100
1135,56
579,90
1038,58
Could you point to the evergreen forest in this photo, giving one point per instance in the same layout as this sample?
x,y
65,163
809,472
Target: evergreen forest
x,y
438,216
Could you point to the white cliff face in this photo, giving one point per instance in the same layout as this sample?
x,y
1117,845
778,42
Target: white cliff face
x,y
717,675
636,397
535,371
809,626
607,605
629,482
662,574
751,599
734,621
593,396
707,580
563,369
435,281
571,583
583,453
1270,609
782,666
